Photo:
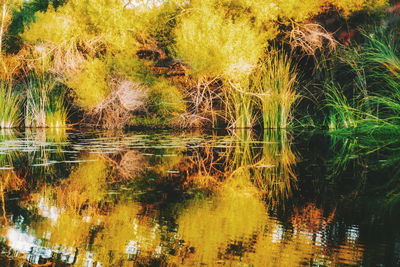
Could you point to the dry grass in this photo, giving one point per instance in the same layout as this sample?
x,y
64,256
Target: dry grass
x,y
310,38
203,98
10,65
115,112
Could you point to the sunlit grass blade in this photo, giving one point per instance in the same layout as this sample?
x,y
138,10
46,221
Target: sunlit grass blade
x,y
10,104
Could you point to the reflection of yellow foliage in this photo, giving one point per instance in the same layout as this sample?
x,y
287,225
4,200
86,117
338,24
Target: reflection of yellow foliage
x,y
69,230
235,214
271,251
85,185
127,165
121,227
202,181
10,181
349,254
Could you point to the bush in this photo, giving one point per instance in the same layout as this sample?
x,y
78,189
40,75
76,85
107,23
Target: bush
x,y
90,86
165,100
89,22
214,45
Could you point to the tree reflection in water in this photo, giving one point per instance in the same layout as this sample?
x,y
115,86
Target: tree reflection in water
x,y
170,199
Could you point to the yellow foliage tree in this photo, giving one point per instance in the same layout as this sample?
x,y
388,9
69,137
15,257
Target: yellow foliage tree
x,y
227,37
90,85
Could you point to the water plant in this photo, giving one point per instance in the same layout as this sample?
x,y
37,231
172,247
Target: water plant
x,y
45,101
274,82
57,111
240,105
366,98
341,112
221,46
10,106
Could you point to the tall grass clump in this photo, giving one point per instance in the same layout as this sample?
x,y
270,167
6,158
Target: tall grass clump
x,y
367,97
45,102
57,110
341,112
266,97
10,106
240,105
274,82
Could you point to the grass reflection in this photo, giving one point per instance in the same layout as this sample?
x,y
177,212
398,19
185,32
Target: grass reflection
x,y
177,200
9,181
267,163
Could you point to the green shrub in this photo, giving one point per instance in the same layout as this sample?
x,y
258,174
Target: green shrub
x,y
130,67
368,95
90,86
165,100
216,46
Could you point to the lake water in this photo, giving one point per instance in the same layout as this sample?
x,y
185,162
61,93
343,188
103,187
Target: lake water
x,y
274,198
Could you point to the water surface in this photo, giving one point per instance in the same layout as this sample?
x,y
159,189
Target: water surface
x,y
274,198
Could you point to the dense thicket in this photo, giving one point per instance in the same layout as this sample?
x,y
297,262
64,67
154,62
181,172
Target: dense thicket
x,y
236,63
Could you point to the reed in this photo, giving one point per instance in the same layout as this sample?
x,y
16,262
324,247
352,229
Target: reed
x,y
57,111
366,98
10,103
341,113
240,106
45,102
266,96
274,83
